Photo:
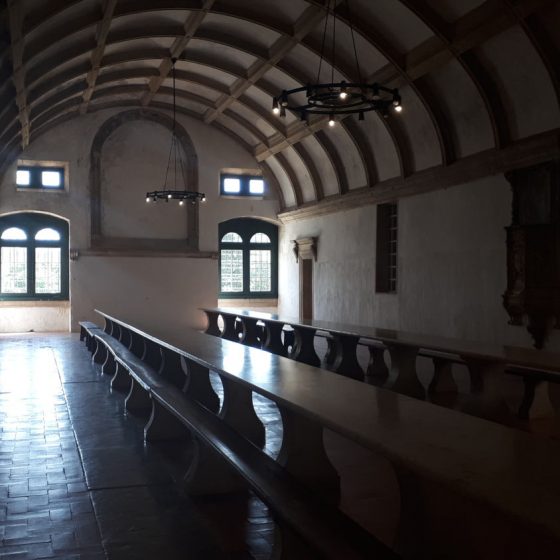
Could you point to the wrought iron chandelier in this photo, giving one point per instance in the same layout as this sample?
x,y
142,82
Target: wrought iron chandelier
x,y
175,154
337,98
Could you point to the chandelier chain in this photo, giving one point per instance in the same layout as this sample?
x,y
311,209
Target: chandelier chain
x,y
323,42
333,49
353,41
175,152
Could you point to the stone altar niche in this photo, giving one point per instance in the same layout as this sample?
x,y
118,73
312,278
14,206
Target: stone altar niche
x,y
533,250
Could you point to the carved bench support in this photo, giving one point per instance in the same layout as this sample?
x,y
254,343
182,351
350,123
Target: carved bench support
x,y
124,337
121,380
229,332
377,372
109,365
536,400
330,356
138,400
209,473
346,362
116,331
100,352
152,354
136,344
404,378
171,368
443,381
212,327
197,386
164,425
273,340
303,455
304,349
251,334
487,399
239,413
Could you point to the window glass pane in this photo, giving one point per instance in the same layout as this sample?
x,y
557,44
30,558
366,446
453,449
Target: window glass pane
x,y
260,271
51,178
231,270
23,177
47,270
232,185
14,270
256,186
260,238
14,234
47,234
232,238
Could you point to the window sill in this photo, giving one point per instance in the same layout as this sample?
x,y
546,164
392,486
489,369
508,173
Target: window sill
x,y
243,196
245,302
34,303
57,190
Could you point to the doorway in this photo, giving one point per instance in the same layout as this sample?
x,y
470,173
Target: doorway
x,y
306,289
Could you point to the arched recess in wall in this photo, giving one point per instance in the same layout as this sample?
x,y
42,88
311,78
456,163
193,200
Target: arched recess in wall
x,y
190,172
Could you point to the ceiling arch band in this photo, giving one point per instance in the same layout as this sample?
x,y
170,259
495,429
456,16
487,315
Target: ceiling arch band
x,y
111,58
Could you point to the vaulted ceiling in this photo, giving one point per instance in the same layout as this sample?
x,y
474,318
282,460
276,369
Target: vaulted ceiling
x,y
480,82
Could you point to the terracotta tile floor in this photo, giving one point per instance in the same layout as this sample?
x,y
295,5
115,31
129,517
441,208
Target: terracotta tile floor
x,y
77,481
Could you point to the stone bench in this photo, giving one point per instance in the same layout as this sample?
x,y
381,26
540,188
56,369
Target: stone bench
x,y
487,364
228,447
87,329
468,488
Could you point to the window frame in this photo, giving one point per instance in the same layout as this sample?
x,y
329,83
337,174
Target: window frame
x,y
244,180
246,228
386,259
31,223
35,169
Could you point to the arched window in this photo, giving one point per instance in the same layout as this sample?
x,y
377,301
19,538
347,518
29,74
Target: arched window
x,y
33,257
248,259
47,234
14,234
232,238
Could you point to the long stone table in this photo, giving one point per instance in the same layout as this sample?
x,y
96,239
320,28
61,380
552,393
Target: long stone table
x,y
469,488
487,363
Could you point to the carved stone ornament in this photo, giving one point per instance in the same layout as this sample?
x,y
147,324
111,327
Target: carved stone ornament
x,y
533,250
305,248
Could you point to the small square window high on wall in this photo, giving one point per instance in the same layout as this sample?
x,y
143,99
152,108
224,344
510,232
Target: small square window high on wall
x,y
42,175
232,184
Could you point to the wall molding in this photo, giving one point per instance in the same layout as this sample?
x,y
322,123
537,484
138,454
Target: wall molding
x,y
521,153
147,253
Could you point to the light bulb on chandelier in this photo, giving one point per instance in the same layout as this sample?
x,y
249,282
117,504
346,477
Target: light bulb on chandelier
x,y
337,99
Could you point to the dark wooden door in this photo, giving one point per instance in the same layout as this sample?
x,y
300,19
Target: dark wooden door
x,y
306,288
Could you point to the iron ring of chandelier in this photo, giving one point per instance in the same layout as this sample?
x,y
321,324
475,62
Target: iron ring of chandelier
x,y
181,196
342,98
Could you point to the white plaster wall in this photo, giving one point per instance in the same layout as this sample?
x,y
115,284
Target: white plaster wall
x,y
133,161
163,292
452,266
158,289
38,317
